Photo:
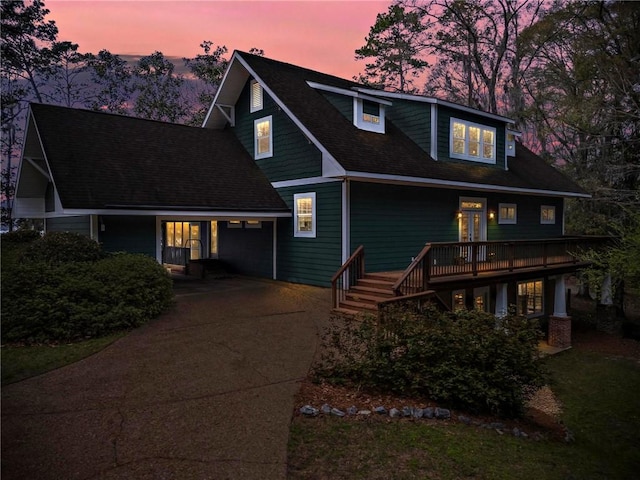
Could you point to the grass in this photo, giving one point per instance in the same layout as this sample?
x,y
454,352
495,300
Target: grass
x,y
601,408
19,363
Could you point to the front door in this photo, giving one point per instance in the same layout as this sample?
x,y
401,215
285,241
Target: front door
x,y
472,225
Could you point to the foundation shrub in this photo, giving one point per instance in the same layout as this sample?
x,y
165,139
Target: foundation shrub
x,y
62,247
465,360
64,302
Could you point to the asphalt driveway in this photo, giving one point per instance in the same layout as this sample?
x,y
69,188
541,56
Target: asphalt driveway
x,y
203,392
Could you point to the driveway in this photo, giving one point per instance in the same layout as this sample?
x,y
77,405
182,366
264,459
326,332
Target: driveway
x,y
204,392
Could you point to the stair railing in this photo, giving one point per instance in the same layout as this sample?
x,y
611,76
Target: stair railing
x,y
347,275
415,278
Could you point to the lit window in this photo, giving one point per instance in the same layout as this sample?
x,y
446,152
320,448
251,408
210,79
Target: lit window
x,y
507,213
256,96
530,296
547,214
481,299
214,239
458,300
235,224
254,224
470,141
304,214
263,138
368,115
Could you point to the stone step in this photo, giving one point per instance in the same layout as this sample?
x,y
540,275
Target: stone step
x,y
357,296
349,312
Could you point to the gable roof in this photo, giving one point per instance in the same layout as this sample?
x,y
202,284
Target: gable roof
x,y
392,156
105,161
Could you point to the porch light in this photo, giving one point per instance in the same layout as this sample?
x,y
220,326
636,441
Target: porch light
x,y
492,214
458,214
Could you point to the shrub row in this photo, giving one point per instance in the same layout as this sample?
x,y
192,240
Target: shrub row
x,y
67,295
462,359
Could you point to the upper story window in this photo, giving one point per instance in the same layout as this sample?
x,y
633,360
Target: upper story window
x,y
256,96
547,214
368,115
263,137
507,213
470,141
304,215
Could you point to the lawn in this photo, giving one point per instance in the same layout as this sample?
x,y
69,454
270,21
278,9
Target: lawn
x,y
601,408
19,363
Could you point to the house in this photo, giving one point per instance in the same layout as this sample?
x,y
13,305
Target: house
x,y
294,169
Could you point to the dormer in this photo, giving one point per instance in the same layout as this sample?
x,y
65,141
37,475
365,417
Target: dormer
x,y
368,111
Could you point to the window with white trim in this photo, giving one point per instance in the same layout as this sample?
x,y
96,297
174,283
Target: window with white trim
x,y
304,215
471,141
256,96
530,298
507,213
263,137
547,214
368,115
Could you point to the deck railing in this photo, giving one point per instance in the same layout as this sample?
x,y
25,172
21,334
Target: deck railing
x,y
416,277
176,255
347,275
438,260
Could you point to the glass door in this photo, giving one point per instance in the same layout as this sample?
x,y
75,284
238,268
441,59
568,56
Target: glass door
x,y
472,226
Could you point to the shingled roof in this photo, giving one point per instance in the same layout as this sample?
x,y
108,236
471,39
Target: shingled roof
x,y
394,154
106,161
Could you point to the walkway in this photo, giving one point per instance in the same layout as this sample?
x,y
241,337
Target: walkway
x,y
204,392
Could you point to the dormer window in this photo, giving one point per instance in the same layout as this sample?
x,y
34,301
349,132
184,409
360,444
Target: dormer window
x,y
368,115
256,96
370,112
470,141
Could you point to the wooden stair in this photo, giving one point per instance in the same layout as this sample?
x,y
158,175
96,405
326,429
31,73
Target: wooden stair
x,y
367,293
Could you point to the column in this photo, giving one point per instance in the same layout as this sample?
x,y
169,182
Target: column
x,y
502,305
560,322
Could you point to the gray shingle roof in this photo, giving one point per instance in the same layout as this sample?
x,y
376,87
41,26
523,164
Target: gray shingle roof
x,y
392,153
102,161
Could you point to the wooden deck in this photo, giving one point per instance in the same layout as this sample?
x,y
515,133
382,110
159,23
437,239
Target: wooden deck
x,y
444,265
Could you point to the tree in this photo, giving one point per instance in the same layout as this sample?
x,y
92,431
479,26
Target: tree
x,y
158,88
475,44
585,86
27,43
208,68
111,77
393,43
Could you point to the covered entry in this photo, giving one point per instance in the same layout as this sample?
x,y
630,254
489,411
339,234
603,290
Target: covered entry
x,y
239,245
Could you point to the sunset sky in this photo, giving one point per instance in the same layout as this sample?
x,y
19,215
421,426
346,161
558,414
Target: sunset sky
x,y
321,35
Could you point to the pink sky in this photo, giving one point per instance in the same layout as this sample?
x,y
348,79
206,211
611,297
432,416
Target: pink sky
x,y
321,35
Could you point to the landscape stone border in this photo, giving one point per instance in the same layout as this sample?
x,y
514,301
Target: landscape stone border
x,y
436,413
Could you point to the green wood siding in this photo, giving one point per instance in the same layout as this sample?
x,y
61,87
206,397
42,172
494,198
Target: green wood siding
x,y
528,224
414,119
81,225
134,234
394,222
444,127
248,251
342,103
294,156
312,260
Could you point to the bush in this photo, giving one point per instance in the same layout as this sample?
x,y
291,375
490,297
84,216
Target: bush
x,y
20,236
64,302
461,359
62,247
